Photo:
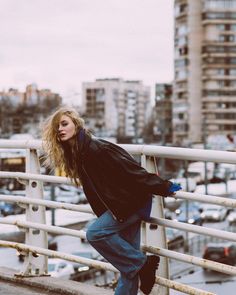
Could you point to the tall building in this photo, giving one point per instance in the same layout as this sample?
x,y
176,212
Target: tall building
x,y
204,95
163,113
114,107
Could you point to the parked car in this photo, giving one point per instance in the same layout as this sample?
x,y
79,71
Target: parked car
x,y
194,215
175,238
86,253
213,213
9,208
67,194
6,208
59,268
221,252
232,218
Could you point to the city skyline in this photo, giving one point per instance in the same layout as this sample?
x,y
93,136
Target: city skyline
x,y
59,44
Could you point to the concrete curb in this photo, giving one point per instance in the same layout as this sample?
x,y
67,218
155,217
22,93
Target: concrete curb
x,y
54,285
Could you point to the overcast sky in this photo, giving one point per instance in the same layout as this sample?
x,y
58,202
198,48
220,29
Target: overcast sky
x,y
59,44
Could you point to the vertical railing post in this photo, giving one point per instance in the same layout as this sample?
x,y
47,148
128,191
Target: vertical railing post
x,y
33,265
156,236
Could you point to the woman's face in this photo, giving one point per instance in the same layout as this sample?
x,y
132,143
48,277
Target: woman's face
x,y
66,129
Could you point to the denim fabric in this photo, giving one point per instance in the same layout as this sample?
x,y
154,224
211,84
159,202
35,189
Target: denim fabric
x,y
119,243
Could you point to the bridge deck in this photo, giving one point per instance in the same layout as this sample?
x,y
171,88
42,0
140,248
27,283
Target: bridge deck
x,y
10,284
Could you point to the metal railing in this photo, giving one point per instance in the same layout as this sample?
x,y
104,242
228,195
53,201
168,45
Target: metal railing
x,y
35,247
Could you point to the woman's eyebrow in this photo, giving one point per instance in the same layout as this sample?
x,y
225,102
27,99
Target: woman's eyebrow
x,y
63,121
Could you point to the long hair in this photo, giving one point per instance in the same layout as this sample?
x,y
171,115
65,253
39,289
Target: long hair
x,y
59,154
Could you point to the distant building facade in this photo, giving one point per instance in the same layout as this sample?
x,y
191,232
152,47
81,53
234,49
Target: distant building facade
x,y
22,112
116,108
204,95
163,113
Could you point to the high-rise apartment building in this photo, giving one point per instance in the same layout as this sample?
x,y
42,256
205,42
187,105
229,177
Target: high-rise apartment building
x,y
204,95
114,107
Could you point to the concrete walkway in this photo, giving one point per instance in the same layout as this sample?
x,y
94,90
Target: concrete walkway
x,y
10,284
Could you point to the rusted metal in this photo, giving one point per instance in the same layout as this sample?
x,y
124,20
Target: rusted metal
x,y
204,263
180,287
164,152
99,265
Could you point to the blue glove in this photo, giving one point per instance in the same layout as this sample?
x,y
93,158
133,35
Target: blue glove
x,y
174,187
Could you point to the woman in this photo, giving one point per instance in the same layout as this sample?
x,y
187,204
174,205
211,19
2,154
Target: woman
x,y
119,191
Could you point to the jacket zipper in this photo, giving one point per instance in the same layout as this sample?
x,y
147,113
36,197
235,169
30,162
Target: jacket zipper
x,y
99,196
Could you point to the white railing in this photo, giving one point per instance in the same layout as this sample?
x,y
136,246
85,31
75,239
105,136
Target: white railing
x,y
36,228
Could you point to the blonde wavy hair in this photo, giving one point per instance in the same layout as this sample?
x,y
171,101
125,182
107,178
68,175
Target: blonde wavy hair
x,y
57,154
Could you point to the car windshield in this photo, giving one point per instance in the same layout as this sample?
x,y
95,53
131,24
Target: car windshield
x,y
51,267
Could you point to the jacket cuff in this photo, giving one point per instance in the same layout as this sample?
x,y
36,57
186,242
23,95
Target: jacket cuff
x,y
166,188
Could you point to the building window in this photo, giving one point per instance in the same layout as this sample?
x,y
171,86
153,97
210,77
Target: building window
x,y
222,4
219,15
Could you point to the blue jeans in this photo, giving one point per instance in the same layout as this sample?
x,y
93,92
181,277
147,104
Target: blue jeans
x,y
119,243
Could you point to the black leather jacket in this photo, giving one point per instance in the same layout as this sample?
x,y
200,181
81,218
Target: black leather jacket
x,y
113,180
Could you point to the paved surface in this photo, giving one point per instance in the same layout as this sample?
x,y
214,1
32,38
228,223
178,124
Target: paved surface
x,y
10,284
7,288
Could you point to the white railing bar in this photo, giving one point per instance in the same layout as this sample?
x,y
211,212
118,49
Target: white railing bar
x,y
50,204
98,264
195,229
181,287
48,228
21,144
227,202
83,208
158,151
228,269
37,250
182,153
31,176
82,234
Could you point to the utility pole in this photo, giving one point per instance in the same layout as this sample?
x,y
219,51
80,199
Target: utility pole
x,y
186,245
205,146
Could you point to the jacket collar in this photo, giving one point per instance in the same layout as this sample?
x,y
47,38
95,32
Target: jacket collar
x,y
83,140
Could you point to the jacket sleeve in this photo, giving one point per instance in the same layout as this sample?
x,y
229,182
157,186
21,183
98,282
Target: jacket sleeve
x,y
121,165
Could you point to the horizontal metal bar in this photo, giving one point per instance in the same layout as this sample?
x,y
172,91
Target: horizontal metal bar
x,y
182,153
76,233
20,144
158,151
49,204
31,176
228,269
226,202
181,287
44,227
84,208
98,265
56,254
230,236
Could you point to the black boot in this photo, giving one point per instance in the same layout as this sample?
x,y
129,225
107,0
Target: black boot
x,y
147,273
